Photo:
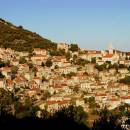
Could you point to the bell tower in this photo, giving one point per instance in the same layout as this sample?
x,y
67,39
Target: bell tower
x,y
110,48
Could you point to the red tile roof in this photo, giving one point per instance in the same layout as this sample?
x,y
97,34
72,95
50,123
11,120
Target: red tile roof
x,y
108,56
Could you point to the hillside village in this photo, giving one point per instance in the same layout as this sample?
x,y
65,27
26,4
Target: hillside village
x,y
68,75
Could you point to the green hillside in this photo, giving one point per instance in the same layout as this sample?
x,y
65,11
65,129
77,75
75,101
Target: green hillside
x,y
21,39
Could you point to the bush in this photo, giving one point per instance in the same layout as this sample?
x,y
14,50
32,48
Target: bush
x,y
125,80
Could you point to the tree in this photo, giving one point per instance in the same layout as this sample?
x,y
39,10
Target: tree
x,y
81,62
100,67
125,80
69,75
30,65
73,113
108,62
27,109
106,124
93,60
49,63
106,121
34,69
116,66
20,27
22,60
91,101
56,67
68,56
128,68
74,58
46,95
126,58
6,101
121,66
1,75
14,69
74,47
42,64
2,64
105,113
76,89
45,114
61,52
43,79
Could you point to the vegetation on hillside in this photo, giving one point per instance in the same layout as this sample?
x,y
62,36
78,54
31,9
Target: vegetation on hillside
x,y
21,39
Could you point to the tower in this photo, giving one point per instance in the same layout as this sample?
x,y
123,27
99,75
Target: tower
x,y
110,48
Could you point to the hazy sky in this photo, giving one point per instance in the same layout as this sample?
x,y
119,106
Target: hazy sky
x,y
90,23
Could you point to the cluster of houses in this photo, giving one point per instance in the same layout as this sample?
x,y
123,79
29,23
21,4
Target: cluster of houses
x,y
85,82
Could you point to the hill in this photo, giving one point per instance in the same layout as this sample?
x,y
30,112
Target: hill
x,y
21,39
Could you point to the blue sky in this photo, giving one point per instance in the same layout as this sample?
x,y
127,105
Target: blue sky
x,y
90,23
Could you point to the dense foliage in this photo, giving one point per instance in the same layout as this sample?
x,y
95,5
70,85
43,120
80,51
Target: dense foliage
x,y
22,60
20,39
17,115
125,80
74,47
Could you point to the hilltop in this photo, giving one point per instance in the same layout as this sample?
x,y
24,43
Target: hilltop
x,y
20,39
